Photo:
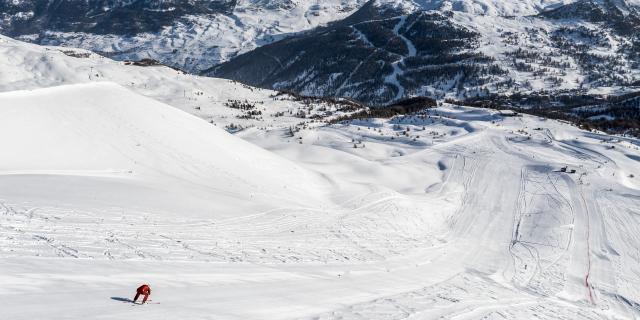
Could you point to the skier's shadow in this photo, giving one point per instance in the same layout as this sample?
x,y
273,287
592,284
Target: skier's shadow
x,y
121,299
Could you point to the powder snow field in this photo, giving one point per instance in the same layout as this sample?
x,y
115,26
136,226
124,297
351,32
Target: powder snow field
x,y
455,213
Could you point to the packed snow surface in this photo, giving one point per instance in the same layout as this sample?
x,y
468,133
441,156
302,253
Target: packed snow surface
x,y
455,213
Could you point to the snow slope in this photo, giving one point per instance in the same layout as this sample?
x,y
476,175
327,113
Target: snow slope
x,y
126,139
456,213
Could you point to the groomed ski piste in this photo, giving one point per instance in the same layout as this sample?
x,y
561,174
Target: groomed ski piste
x,y
454,213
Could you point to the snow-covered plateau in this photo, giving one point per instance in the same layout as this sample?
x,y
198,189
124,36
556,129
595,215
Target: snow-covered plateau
x,y
113,175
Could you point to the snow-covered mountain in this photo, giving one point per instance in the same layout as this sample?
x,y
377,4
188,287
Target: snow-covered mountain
x,y
192,35
441,212
196,35
380,55
372,51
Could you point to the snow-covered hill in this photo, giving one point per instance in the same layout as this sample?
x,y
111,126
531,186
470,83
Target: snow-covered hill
x,y
27,66
451,212
130,144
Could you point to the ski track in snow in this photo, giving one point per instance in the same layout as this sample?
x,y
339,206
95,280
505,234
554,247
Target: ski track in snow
x,y
392,79
458,213
482,267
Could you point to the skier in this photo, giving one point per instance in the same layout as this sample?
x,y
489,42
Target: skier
x,y
144,290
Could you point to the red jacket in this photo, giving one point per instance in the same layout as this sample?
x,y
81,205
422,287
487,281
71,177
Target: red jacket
x,y
144,289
